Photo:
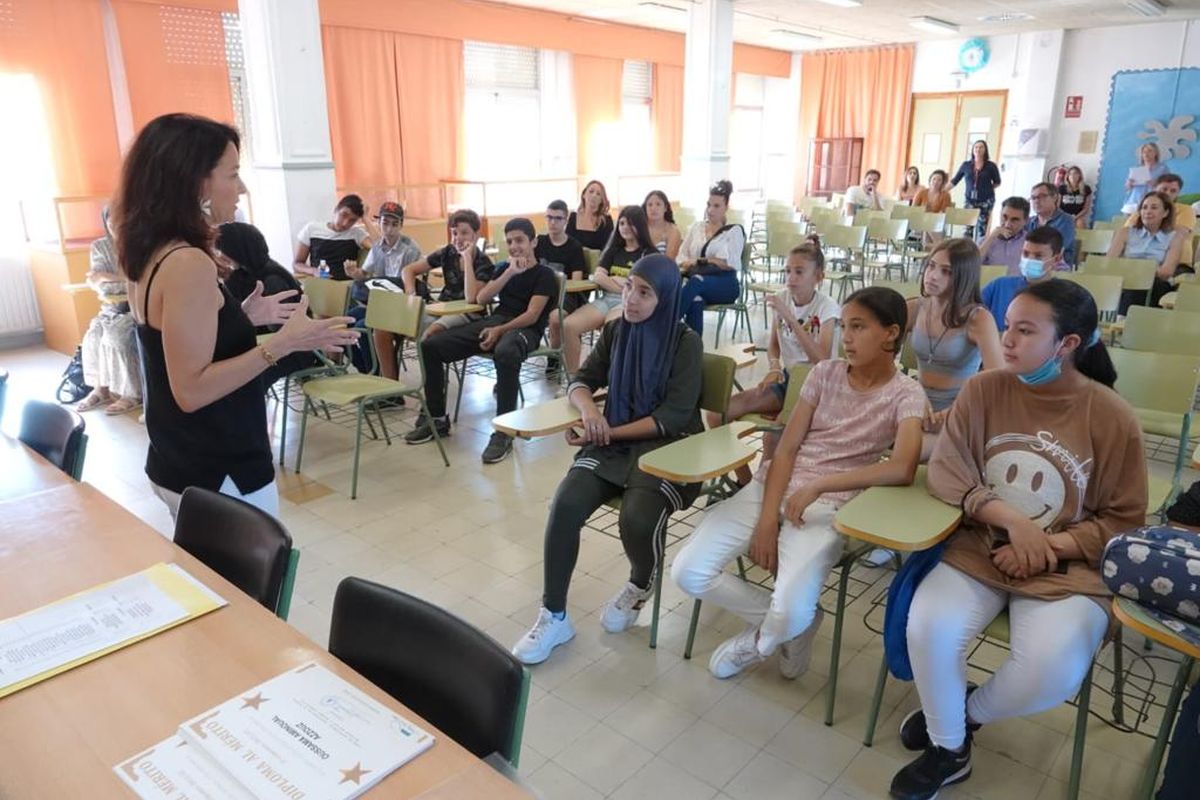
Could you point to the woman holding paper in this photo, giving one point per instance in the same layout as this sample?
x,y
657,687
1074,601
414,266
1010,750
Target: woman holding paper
x,y
1142,177
205,410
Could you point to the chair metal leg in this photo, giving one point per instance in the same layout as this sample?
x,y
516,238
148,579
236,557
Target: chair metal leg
x,y
357,449
876,702
287,382
379,414
657,604
462,378
691,637
284,605
436,439
831,689
1081,718
1118,709
303,431
1150,778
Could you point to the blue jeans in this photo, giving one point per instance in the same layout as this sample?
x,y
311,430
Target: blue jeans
x,y
699,292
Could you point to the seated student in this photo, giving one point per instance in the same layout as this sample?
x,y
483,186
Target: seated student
x,y
335,242
388,256
661,221
651,364
1040,256
1046,461
1152,236
525,290
1003,244
1184,218
457,283
801,333
865,197
911,186
1044,197
936,197
849,413
590,224
629,242
710,257
562,254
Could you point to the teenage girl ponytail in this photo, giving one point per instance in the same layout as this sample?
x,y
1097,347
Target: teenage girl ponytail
x,y
810,249
1075,312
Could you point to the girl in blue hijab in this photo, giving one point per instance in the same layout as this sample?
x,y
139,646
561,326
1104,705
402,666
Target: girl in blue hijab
x,y
651,363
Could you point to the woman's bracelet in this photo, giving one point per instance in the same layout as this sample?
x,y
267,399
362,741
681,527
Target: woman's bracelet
x,y
267,355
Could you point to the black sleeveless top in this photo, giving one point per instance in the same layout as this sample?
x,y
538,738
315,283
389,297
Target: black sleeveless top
x,y
227,437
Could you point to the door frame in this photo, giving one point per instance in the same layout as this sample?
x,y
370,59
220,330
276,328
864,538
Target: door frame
x,y
958,97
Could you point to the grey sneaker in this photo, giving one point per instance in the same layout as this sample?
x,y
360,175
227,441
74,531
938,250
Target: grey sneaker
x,y
498,448
424,431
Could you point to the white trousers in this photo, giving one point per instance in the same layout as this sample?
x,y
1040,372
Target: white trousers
x,y
806,555
266,498
1052,644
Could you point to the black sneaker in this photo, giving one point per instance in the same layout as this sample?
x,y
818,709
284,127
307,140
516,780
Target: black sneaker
x,y
424,431
553,366
936,767
915,736
499,446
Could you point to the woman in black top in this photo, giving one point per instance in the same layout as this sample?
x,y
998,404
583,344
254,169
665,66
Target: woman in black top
x,y
590,224
1075,197
205,411
651,364
982,176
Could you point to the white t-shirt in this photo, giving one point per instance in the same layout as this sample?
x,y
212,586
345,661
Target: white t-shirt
x,y
858,197
321,230
821,310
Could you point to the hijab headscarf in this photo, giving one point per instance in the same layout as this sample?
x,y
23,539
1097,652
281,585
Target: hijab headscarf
x,y
644,352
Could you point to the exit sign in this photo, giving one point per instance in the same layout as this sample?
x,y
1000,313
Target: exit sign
x,y
1074,106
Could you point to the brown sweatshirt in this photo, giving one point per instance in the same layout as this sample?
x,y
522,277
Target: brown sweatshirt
x,y
1068,454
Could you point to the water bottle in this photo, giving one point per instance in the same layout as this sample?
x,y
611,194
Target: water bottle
x,y
323,269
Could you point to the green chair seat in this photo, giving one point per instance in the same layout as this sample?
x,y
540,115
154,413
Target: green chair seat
x,y
346,389
1160,423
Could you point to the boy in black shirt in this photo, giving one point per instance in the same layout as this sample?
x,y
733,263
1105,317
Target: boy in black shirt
x,y
525,290
459,284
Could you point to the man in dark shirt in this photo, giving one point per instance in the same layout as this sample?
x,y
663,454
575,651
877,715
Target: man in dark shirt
x,y
525,290
458,284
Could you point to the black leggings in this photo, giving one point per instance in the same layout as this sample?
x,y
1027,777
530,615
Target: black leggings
x,y
645,508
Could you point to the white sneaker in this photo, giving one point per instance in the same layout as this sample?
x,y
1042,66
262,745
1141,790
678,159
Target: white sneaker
x,y
734,655
622,611
545,635
879,557
796,654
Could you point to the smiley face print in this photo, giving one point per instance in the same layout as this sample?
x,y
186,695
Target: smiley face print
x,y
1028,482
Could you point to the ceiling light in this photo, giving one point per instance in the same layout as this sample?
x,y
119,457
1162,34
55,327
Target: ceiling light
x,y
933,24
1147,8
843,3
1007,16
665,6
797,34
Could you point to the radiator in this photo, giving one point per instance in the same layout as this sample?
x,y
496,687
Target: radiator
x,y
18,303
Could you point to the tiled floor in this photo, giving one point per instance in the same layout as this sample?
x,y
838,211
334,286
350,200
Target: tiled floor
x,y
608,717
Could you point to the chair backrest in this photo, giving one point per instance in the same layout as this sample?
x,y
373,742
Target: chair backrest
x,y
927,222
907,289
1095,241
883,230
900,211
395,312
1105,225
1137,274
1104,289
591,259
240,542
1157,330
962,216
1164,382
444,669
717,383
989,273
1187,297
846,237
327,298
782,237
837,200
908,356
865,216
56,433
797,374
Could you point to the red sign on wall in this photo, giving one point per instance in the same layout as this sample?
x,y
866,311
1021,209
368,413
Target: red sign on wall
x,y
1074,106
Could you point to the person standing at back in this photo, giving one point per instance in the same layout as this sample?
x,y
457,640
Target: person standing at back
x,y
982,177
590,224
1075,197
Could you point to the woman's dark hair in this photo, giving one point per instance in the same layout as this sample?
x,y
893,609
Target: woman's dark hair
x,y
987,154
604,205
904,183
722,189
965,262
886,305
943,173
352,202
810,249
1075,312
636,217
1168,223
158,200
669,216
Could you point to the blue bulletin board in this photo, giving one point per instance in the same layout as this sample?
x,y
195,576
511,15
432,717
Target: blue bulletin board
x,y
1154,105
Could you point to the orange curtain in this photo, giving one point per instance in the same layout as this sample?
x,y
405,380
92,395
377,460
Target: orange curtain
x,y
597,108
666,107
431,87
174,60
861,94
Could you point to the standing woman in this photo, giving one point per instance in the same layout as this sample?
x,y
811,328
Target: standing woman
x,y
205,410
661,219
1142,177
982,176
651,364
590,224
1046,462
910,187
710,257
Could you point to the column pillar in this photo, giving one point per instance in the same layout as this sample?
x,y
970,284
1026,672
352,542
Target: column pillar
x,y
707,96
290,169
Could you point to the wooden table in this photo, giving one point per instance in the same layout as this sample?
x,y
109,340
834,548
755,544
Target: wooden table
x,y
904,518
452,307
61,737
701,456
25,472
580,286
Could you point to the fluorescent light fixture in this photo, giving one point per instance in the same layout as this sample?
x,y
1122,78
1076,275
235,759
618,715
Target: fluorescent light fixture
x,y
933,24
1147,8
843,3
664,6
797,34
1007,16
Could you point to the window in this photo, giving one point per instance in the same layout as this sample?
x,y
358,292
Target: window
x,y
502,118
637,133
238,89
746,133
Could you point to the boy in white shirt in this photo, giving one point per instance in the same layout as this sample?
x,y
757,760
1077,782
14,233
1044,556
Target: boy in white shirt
x,y
865,197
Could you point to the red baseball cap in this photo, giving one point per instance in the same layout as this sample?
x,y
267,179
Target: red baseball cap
x,y
391,209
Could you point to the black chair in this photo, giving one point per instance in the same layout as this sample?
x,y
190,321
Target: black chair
x,y
446,670
242,543
56,433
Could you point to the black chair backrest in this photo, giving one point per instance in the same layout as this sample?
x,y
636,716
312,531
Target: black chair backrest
x,y
55,432
242,543
441,667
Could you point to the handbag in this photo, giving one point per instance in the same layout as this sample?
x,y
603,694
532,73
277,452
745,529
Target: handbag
x,y
73,387
705,267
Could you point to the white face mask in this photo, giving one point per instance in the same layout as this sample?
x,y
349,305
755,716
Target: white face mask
x,y
1032,268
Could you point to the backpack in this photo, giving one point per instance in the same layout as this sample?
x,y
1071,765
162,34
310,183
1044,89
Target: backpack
x,y
1158,567
73,388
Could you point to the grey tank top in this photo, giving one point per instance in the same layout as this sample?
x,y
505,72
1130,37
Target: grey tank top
x,y
951,353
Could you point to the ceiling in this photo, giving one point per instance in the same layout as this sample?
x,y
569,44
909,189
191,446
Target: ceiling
x,y
876,21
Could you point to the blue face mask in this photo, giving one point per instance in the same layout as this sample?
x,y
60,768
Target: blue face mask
x,y
1032,268
1049,370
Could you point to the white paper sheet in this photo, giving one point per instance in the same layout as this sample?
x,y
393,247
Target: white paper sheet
x,y
176,770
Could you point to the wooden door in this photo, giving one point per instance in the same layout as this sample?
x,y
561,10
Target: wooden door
x,y
931,140
945,125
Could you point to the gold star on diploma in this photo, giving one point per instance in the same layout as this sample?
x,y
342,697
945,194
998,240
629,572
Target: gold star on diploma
x,y
355,774
254,702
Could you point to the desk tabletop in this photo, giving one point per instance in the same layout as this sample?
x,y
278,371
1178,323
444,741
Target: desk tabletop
x,y
70,538
26,472
701,456
580,286
449,307
542,419
1134,616
902,518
